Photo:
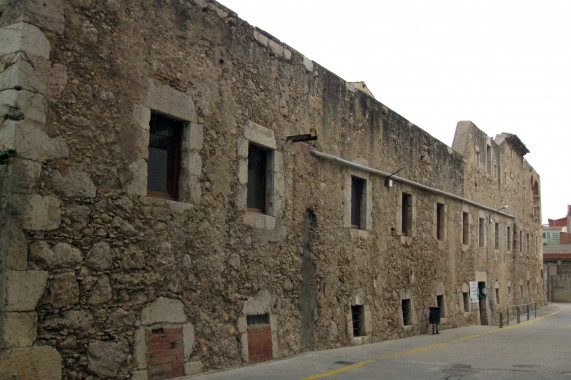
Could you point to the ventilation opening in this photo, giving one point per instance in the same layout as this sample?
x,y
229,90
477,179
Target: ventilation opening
x,y
406,312
358,318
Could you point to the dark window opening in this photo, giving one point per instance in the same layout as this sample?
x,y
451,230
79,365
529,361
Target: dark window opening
x,y
440,302
406,227
465,228
466,297
258,319
440,221
497,236
406,312
357,202
498,296
257,178
509,238
164,156
482,234
358,320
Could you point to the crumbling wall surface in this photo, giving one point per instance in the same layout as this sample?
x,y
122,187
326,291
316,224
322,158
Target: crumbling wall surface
x,y
96,272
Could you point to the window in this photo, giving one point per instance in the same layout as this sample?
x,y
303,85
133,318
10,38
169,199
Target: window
x,y
497,236
164,156
358,200
489,160
406,227
521,290
509,290
357,320
466,298
258,159
406,312
498,296
521,241
481,232
440,303
509,238
440,221
527,243
465,228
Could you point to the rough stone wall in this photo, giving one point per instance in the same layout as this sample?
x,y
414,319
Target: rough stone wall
x,y
91,264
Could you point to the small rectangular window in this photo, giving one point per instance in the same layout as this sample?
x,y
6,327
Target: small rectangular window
x,y
466,298
465,228
498,296
521,241
482,232
527,243
406,214
357,202
357,320
497,236
440,221
406,312
257,178
163,164
489,159
509,238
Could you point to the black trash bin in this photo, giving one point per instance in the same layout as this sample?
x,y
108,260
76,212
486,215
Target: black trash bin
x,y
434,317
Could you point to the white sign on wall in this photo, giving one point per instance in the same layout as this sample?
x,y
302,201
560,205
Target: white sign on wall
x,y
473,291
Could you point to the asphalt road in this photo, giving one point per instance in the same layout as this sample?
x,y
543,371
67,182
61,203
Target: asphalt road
x,y
538,349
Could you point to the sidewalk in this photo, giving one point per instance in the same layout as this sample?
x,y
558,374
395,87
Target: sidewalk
x,y
320,362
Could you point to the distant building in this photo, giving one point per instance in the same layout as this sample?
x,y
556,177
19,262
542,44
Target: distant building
x,y
557,258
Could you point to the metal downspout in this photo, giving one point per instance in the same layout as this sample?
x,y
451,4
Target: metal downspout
x,y
408,182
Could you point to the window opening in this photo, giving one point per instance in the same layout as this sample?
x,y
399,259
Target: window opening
x,y
509,238
406,227
406,312
497,236
465,228
498,296
163,164
257,178
440,222
357,202
357,319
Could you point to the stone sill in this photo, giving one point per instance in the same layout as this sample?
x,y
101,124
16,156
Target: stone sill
x,y
260,221
356,233
406,240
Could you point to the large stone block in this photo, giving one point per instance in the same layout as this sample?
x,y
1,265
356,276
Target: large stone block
x,y
31,363
23,104
63,290
163,310
23,37
30,141
101,292
23,290
172,102
41,213
105,358
13,247
20,75
18,329
45,14
99,257
75,183
61,255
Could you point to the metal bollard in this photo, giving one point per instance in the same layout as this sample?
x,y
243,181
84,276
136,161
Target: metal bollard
x,y
528,312
501,320
508,320
518,317
535,309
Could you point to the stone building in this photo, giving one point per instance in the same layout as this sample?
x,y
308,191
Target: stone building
x,y
188,193
557,258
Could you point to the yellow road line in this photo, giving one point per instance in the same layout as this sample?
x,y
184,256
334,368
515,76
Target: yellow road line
x,y
360,364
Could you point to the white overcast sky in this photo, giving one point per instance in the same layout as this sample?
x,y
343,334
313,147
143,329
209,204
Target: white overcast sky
x,y
505,65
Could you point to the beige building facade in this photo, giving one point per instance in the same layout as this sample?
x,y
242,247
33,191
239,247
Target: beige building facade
x,y
182,192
